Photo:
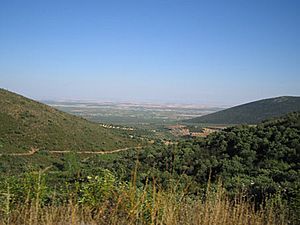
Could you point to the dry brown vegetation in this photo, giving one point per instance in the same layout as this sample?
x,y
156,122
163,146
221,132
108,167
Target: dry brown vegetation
x,y
147,206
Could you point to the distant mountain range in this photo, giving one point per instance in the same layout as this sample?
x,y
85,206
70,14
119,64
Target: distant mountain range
x,y
253,112
26,124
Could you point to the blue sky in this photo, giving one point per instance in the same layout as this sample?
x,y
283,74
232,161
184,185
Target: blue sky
x,y
206,52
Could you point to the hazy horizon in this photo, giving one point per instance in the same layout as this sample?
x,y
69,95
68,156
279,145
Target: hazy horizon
x,y
158,102
218,53
143,102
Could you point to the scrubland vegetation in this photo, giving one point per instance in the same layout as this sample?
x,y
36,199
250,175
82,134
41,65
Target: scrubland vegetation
x,y
253,112
26,123
104,199
240,175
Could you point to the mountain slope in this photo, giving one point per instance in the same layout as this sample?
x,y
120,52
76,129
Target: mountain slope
x,y
26,124
253,112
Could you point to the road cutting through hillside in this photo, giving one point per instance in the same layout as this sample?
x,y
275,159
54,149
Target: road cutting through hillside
x,y
97,152
31,152
35,150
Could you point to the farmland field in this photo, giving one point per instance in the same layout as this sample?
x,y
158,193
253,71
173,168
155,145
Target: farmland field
x,y
133,114
151,120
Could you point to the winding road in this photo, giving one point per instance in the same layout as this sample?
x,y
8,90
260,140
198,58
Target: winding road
x,y
35,150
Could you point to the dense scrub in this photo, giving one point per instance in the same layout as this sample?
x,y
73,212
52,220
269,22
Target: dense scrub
x,y
104,199
253,112
26,123
243,173
262,160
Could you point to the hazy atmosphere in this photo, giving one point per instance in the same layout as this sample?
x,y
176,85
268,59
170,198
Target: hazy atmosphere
x,y
149,112
205,52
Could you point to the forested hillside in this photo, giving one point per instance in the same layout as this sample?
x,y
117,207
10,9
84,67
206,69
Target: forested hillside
x,y
262,160
253,112
258,167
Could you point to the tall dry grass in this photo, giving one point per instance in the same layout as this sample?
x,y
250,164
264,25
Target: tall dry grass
x,y
149,205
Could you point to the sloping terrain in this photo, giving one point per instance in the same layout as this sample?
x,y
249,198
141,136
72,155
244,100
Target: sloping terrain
x,y
27,124
253,112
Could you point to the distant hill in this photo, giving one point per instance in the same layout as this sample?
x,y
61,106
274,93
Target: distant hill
x,y
253,112
25,123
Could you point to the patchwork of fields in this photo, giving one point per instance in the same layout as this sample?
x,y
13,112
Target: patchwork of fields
x,y
150,119
133,113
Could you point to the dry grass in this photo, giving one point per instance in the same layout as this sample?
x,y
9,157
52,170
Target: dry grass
x,y
147,206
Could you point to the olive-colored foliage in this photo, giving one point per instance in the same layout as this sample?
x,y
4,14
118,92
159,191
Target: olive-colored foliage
x,y
262,160
104,199
253,112
27,124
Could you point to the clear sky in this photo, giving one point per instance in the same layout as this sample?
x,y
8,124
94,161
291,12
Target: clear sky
x,y
208,52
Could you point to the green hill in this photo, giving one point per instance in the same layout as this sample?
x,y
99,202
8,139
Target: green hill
x,y
253,112
26,124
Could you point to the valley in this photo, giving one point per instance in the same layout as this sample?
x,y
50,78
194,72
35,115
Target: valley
x,y
154,120
147,112
134,114
64,152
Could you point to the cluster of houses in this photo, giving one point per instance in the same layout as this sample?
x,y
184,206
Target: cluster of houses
x,y
109,126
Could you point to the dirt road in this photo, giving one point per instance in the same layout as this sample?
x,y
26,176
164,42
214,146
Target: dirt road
x,y
35,150
98,152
